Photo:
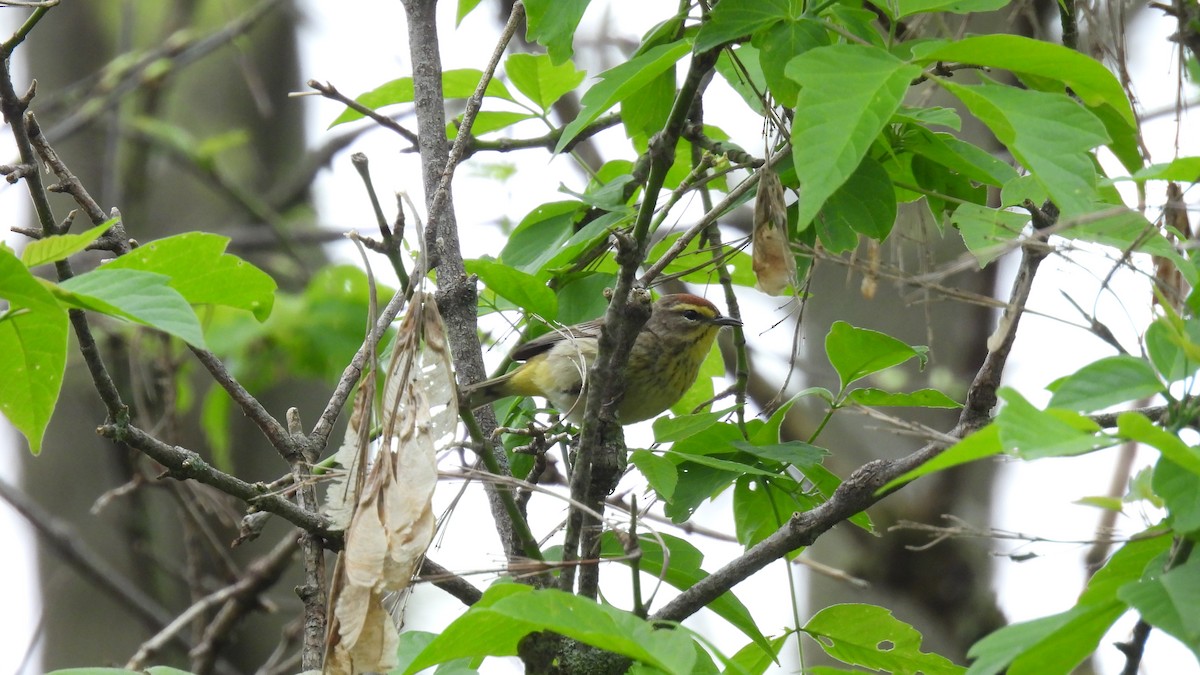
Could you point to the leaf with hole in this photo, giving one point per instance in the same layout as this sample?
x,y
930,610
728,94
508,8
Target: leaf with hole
x,y
870,637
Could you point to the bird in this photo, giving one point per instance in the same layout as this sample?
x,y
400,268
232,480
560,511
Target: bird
x,y
663,362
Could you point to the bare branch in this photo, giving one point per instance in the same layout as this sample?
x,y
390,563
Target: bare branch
x,y
330,92
184,464
243,594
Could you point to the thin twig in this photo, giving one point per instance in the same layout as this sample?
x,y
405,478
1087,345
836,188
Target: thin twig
x,y
330,92
183,464
731,199
450,582
260,575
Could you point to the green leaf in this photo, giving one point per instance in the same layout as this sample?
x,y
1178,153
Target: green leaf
x,y
203,273
62,246
1114,504
697,483
1137,427
994,652
826,483
1056,644
760,508
582,298
539,235
1021,189
1049,133
733,19
524,290
922,398
1086,77
960,156
794,453
487,121
668,429
753,660
1033,433
943,188
1140,489
931,116
719,464
769,433
910,7
865,203
33,350
536,76
982,443
1180,492
95,671
742,69
1129,230
857,352
1180,169
987,232
552,24
460,83
215,409
412,643
645,111
659,472
465,7
1170,602
617,84
1106,382
1169,348
869,636
682,562
778,44
586,238
508,612
848,94
137,296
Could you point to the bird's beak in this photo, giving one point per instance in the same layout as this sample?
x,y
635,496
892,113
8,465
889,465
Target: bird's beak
x,y
726,321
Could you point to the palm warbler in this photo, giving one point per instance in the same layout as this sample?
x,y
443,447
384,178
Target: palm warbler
x,y
663,362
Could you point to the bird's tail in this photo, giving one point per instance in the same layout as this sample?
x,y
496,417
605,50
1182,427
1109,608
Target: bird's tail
x,y
483,393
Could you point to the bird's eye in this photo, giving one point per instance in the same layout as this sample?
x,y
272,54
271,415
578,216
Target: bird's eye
x,y
691,315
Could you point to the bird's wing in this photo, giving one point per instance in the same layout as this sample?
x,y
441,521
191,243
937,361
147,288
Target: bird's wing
x,y
528,350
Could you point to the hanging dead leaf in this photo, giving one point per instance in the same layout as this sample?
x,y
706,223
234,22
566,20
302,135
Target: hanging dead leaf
x,y
1167,276
392,522
774,266
341,497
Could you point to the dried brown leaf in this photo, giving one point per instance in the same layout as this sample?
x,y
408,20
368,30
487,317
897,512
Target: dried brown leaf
x,y
342,495
773,263
1167,276
393,521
